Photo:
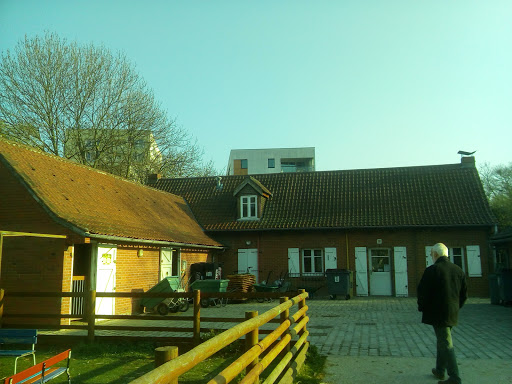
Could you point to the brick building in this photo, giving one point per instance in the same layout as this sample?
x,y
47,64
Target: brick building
x,y
64,224
378,223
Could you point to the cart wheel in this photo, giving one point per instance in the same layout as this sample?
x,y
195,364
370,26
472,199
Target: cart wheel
x,y
162,309
183,306
347,297
332,297
174,308
205,303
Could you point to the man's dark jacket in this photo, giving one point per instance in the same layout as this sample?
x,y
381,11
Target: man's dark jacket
x,y
442,291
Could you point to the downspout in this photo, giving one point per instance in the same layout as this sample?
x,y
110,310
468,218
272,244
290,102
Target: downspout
x,y
1,247
346,242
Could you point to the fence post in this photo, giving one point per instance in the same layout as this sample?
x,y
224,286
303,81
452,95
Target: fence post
x,y
91,315
165,354
251,339
283,317
1,306
302,304
197,317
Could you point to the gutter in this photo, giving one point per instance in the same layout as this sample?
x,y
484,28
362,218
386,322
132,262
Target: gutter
x,y
145,241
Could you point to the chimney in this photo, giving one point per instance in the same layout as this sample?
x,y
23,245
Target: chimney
x,y
467,161
153,178
219,184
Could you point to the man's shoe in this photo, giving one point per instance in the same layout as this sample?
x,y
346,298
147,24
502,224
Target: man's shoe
x,y
449,381
437,374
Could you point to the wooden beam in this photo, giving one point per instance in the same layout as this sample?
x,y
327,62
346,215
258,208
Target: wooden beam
x,y
30,234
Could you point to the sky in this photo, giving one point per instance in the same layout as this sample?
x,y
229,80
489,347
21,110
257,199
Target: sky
x,y
369,84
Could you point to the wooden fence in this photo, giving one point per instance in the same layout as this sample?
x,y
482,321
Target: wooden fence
x,y
289,352
90,318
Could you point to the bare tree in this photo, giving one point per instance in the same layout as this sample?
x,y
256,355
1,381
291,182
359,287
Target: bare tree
x,y
497,182
84,103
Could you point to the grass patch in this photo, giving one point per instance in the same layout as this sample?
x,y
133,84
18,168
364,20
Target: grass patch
x,y
313,371
122,362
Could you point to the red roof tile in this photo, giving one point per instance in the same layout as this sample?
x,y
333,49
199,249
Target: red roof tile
x,y
438,195
100,203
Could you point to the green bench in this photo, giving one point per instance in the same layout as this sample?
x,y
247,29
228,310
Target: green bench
x,y
15,342
42,372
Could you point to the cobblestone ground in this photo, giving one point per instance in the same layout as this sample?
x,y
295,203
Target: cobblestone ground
x,y
369,327
392,327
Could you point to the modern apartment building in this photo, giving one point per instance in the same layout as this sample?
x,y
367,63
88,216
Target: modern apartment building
x,y
271,160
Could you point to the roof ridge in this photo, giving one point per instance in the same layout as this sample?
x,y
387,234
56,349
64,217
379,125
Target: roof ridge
x,y
296,174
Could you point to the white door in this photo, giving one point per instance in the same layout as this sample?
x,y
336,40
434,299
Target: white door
x,y
166,260
248,262
293,261
331,260
474,261
361,272
106,278
401,280
380,272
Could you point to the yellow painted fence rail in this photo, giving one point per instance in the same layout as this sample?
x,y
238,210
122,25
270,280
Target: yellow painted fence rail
x,y
287,342
291,349
61,321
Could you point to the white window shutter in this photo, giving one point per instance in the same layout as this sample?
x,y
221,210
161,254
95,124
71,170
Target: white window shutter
x,y
474,261
331,261
401,280
293,261
428,256
361,272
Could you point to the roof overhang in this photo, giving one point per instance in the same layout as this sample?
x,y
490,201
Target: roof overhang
x,y
159,243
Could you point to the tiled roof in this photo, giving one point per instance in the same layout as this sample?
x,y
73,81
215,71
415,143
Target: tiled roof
x,y
102,204
438,195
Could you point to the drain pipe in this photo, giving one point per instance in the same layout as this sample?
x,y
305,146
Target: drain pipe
x,y
348,258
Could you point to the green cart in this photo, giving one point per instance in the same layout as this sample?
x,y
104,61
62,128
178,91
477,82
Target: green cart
x,y
211,286
164,305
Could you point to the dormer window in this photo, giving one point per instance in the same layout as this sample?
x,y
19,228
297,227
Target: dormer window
x,y
251,197
248,207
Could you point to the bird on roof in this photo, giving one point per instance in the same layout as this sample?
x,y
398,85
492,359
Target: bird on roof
x,y
464,153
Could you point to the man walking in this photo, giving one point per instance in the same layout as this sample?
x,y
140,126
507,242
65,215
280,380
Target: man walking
x,y
442,291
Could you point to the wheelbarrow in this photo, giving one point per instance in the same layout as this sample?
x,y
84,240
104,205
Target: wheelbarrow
x,y
265,288
211,285
165,305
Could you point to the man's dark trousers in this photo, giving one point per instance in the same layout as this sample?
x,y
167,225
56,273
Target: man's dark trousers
x,y
446,354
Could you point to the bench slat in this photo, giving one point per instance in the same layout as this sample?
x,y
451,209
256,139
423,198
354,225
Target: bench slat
x,y
35,371
5,352
49,374
18,336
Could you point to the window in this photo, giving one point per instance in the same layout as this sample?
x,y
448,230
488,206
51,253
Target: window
x,y
243,163
288,167
312,261
380,259
90,147
457,257
271,163
248,205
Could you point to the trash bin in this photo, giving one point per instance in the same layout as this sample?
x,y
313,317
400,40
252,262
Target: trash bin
x,y
506,285
338,283
202,271
210,285
494,288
